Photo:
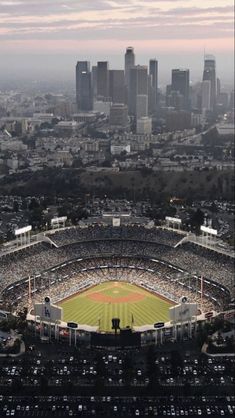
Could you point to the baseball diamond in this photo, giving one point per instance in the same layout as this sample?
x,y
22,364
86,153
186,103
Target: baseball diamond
x,y
132,304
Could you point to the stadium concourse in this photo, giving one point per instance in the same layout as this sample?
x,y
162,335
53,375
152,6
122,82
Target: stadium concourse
x,y
62,262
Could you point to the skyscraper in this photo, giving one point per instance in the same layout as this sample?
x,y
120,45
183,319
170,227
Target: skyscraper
x,y
153,87
141,106
206,95
138,86
119,116
103,80
82,68
94,80
180,83
117,86
129,63
209,73
86,96
232,101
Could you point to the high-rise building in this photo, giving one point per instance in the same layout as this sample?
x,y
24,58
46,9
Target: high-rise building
x,y
180,83
175,99
196,96
218,87
232,100
178,120
138,85
206,95
117,86
129,63
144,126
153,85
119,116
82,68
222,100
103,80
94,79
102,106
86,97
209,73
141,106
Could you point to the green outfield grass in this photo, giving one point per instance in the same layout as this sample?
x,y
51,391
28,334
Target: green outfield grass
x,y
98,305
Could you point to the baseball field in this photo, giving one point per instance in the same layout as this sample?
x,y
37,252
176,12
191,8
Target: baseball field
x,y
99,304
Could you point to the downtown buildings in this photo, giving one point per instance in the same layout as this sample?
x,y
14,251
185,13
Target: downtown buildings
x,y
112,91
136,88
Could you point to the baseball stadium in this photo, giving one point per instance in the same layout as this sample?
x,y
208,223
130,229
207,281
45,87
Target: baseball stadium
x,y
115,299
94,273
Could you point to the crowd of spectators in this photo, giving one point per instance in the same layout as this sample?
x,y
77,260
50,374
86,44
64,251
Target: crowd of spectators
x,y
191,259
70,278
28,261
207,263
135,232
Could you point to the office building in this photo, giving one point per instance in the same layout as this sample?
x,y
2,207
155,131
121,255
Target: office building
x,y
222,101
129,63
86,98
94,80
138,86
102,80
141,106
178,120
153,85
144,126
231,101
102,106
119,116
206,95
180,83
209,74
83,86
218,87
175,99
117,86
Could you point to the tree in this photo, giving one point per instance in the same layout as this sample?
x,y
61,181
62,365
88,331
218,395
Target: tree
x,y
15,206
34,204
21,320
36,217
196,220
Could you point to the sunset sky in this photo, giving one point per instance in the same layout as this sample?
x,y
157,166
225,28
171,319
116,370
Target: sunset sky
x,y
105,27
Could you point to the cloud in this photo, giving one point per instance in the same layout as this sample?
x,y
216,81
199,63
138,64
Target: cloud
x,y
58,20
10,3
65,6
46,7
189,11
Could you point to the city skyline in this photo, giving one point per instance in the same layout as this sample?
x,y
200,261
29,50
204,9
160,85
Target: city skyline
x,y
59,33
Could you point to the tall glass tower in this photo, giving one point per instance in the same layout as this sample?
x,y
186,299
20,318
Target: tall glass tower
x,y
153,88
180,83
129,63
83,86
209,74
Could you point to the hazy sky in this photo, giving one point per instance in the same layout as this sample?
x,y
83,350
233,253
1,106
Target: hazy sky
x,y
67,30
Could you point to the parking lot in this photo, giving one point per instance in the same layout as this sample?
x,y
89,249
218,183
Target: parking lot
x,y
53,380
58,406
